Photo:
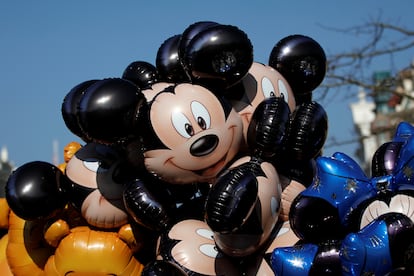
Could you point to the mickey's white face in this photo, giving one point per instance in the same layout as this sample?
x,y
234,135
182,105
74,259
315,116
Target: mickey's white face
x,y
199,137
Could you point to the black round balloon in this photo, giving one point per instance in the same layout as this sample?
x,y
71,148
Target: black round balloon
x,y
326,260
315,220
268,127
308,131
144,207
219,56
231,199
142,73
168,62
34,190
69,108
301,60
385,158
107,110
190,32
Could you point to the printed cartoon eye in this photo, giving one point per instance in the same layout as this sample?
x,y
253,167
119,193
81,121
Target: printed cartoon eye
x,y
201,115
209,250
208,234
267,88
283,90
182,124
91,165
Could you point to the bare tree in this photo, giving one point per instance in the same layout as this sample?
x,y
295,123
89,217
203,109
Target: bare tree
x,y
351,69
347,68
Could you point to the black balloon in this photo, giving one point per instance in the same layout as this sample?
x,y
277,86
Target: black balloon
x,y
231,199
314,220
218,56
144,208
326,261
308,131
70,108
385,158
168,62
268,127
34,190
191,32
301,60
107,110
142,73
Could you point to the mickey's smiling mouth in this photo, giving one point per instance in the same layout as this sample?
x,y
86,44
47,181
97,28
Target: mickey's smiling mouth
x,y
212,170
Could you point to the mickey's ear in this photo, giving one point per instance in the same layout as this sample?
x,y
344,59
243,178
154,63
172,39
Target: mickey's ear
x,y
70,108
190,32
218,56
105,111
302,61
142,73
168,61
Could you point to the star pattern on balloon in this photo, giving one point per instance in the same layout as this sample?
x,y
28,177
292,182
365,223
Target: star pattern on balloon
x,y
298,262
351,186
316,185
408,172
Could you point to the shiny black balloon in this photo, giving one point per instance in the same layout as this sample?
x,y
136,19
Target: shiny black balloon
x,y
190,32
268,127
314,220
144,207
327,261
301,60
107,110
385,158
308,131
142,73
34,190
168,62
219,56
400,230
231,200
69,108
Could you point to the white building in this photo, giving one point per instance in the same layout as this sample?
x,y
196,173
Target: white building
x,y
377,119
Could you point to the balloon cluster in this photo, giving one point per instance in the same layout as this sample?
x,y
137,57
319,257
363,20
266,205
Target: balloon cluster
x,y
191,165
349,224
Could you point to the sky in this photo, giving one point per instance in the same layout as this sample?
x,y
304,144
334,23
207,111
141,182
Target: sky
x,y
48,47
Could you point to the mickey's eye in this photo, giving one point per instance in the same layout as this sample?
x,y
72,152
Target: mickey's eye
x,y
201,115
208,234
283,90
267,88
209,250
91,165
182,124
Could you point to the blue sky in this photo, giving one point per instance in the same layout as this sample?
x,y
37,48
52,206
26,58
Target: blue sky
x,y
49,46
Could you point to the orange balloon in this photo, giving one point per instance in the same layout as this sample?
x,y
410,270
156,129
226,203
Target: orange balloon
x,y
26,250
88,252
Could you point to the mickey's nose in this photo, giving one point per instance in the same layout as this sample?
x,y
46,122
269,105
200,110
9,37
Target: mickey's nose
x,y
204,145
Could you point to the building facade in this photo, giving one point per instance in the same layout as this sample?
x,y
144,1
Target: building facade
x,y
377,113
